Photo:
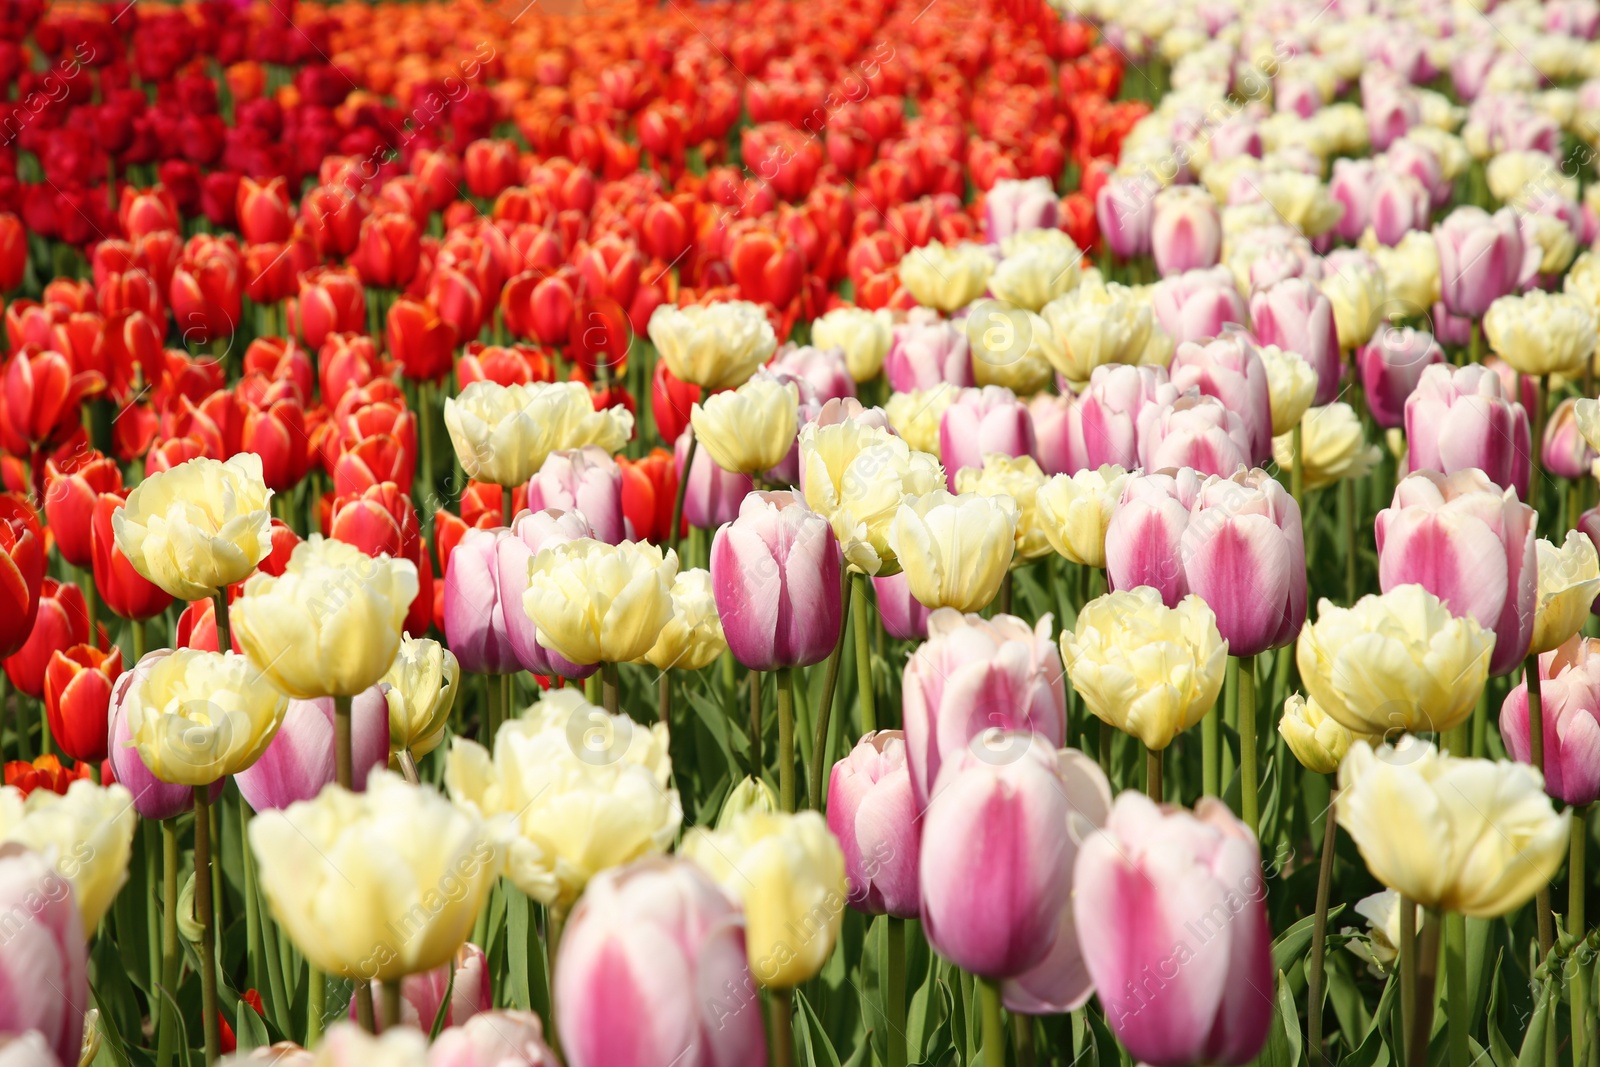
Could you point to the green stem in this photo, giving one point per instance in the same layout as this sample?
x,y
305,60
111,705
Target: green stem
x,y
224,629
1106,732
44,729
683,485
1541,899
408,766
758,761
171,954
493,712
1022,1037
1408,972
1297,471
316,1005
786,737
556,922
861,608
203,915
1152,773
1427,969
610,689
1319,939
252,909
1578,928
506,505
343,772
391,1004
664,698
366,1018
781,1012
994,1031
425,432
1249,805
894,991
1457,1021
1347,523
820,763
139,639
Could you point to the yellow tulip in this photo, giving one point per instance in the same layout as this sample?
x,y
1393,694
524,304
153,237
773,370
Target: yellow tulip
x,y
855,475
420,687
1011,347
198,527
198,716
715,346
916,415
1075,509
1147,669
1410,271
863,335
87,834
1301,200
692,638
1541,333
1291,385
595,602
1357,292
379,884
787,872
1569,580
751,794
503,433
1095,324
946,277
1332,447
1019,478
749,429
1396,662
584,791
955,550
1037,272
1464,835
1317,741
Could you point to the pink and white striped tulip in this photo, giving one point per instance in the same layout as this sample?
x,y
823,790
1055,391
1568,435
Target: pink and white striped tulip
x,y
1125,209
1200,432
873,812
475,613
586,480
1144,540
1352,185
1391,364
1230,369
422,995
927,351
1058,432
1186,230
44,969
1296,316
825,370
1119,402
712,496
532,533
494,1039
1011,207
1195,305
1243,552
980,423
298,764
1458,418
1482,257
1569,693
905,618
1565,453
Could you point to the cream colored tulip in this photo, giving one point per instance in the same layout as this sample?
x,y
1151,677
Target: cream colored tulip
x,y
787,872
198,716
1358,293
1394,662
595,602
1037,273
1569,581
420,687
379,884
1075,509
955,550
1554,239
1511,174
1332,447
864,336
1300,199
751,794
1147,669
1587,414
1019,479
1096,324
503,433
198,527
714,346
946,277
692,639
584,791
1291,386
1541,333
916,415
1410,272
855,475
1470,836
331,624
749,429
1380,947
1583,280
1011,347
1318,741
87,834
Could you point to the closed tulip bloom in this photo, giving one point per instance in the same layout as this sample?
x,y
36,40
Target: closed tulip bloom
x,y
419,690
379,884
1195,305
946,277
926,354
77,696
1291,386
1410,273
1391,365
299,762
1124,207
1541,333
916,416
660,939
1020,479
45,966
775,576
1096,324
1075,510
1569,690
856,475
199,716
874,814
466,981
585,480
904,617
1399,661
1460,417
1058,433
1159,877
152,797
1296,316
584,791
751,428
22,563
787,873
693,639
955,550
1199,432
981,422
714,346
199,527
69,496
494,1039
1464,835
502,433
1230,368
994,873
973,674
331,623
863,335
1244,555
1357,292
1114,412
512,551
1017,207
712,496
1144,537
124,590
1565,453
817,369
1332,447
1317,740
477,616
1569,580
1481,259
595,602
1185,230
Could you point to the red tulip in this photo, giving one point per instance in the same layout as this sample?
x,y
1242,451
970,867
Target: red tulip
x,y
207,288
490,167
13,252
63,621
71,489
172,451
670,401
281,360
22,559
77,699
263,210
421,340
45,772
389,250
143,211
331,301
346,360
381,521
41,398
127,593
333,216
514,365
269,273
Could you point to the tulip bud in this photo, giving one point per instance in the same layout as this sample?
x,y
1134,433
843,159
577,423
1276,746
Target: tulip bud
x,y
1569,684
1317,740
1244,533
69,498
1125,209
1196,432
420,689
1565,453
873,813
751,428
775,574
1195,305
61,623
77,696
1481,258
715,346
45,965
946,277
1297,317
751,794
955,550
1391,365
1230,369
1015,207
1114,412
981,422
1186,230
1569,579
585,480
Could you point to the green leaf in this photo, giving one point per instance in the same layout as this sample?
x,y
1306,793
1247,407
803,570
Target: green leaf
x,y
517,907
437,1027
815,1035
1499,1050
1532,1054
1283,1040
1290,945
249,1030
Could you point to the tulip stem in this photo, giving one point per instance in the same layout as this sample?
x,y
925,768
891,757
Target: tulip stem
x,y
861,608
202,908
683,485
1577,928
391,1004
1408,974
1427,970
994,1030
139,639
894,991
1022,1037
1347,523
506,505
1297,470
1249,803
408,766
757,758
425,433
664,698
820,763
1541,899
224,631
171,954
781,1011
786,737
610,691
1152,772
1457,994
344,774
366,1018
1319,938
252,907
316,1005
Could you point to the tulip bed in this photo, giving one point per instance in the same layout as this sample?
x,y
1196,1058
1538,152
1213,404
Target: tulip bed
x,y
832,534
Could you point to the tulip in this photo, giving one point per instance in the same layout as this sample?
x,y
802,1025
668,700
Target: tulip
x,y
1569,580
1039,267
904,617
594,602
1291,386
1194,881
1230,369
420,689
946,277
1297,317
476,622
916,416
199,527
423,996
1391,365
1075,510
693,639
712,496
45,966
714,346
864,337
1488,432
1542,333
1195,305
1198,432
981,422
751,428
1331,447
973,674
1481,258
300,760
44,772
1013,207
873,812
22,562
419,339
88,833
1114,412
649,486
1317,740
69,497
420,868
77,694
1185,230
775,576
264,212
1482,857
1095,324
954,550
1565,453
787,873
331,301
855,475
502,434
1569,688
494,1039
1244,533
1019,479
587,480
1355,288
924,354
824,369
1410,274
1142,544
197,716
1125,209
472,609
207,289
633,926
152,797
62,623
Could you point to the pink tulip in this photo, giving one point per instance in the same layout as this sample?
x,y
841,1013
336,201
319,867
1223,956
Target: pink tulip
x,y
1390,365
1236,137
1523,388
1058,432
494,1039
1186,231
1297,317
1351,185
775,576
713,494
1119,400
422,995
1011,207
1469,69
652,973
1195,305
1299,96
824,370
1244,554
1572,18
1565,453
299,761
1589,524
1458,418
873,813
1450,329
1407,156
1469,543
994,868
1569,694
1399,205
586,480
1144,541
1172,921
1125,209
1198,432
1482,257
152,798
532,533
44,969
1391,108
980,423
1231,370
905,618
926,352
475,616
974,674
